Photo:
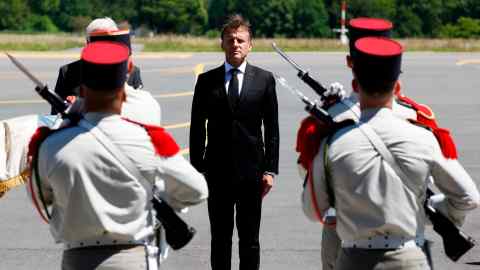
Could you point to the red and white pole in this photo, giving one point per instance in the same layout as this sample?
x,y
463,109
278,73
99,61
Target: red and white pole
x,y
343,21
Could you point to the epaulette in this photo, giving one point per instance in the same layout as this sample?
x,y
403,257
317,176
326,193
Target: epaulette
x,y
162,141
310,135
37,138
421,109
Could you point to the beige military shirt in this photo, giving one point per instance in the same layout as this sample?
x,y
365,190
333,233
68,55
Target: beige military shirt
x,y
95,200
370,198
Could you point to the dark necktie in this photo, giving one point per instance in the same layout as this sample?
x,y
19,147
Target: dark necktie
x,y
233,87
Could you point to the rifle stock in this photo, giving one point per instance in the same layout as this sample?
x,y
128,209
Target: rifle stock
x,y
455,242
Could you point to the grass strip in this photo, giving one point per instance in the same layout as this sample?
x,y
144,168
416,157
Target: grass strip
x,y
178,43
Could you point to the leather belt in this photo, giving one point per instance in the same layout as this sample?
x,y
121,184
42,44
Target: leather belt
x,y
100,243
384,242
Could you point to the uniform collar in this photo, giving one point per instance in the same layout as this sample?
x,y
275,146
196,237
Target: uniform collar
x,y
241,68
95,117
369,113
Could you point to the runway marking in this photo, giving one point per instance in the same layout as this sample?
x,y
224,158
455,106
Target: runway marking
x,y
37,101
170,70
23,101
468,62
76,55
180,125
180,94
198,69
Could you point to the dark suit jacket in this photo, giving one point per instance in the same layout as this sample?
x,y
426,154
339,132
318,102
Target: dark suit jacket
x,y
69,77
235,147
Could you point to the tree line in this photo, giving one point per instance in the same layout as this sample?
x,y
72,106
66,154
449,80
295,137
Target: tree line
x,y
269,18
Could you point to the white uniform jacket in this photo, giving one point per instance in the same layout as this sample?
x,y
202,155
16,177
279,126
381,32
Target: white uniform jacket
x,y
95,201
370,198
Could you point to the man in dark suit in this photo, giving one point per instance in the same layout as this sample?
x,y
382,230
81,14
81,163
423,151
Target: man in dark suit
x,y
69,76
230,105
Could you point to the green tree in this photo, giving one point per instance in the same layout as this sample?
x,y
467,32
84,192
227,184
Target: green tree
x,y
39,23
310,19
43,7
372,8
118,10
218,10
360,8
407,23
173,16
69,11
13,13
464,28
43,12
429,11
275,18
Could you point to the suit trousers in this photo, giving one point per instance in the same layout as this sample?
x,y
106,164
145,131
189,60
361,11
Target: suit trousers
x,y
238,202
382,259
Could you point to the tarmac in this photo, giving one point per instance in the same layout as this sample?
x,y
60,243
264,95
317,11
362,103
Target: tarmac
x,y
448,82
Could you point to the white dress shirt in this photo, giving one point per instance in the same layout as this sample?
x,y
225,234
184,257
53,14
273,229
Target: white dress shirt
x,y
240,75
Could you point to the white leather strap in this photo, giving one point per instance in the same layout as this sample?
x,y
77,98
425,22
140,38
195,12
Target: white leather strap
x,y
114,150
382,149
150,250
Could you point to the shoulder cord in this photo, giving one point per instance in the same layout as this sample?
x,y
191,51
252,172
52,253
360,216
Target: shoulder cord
x,y
40,192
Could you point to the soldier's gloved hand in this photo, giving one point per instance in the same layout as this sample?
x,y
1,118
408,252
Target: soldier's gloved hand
x,y
334,94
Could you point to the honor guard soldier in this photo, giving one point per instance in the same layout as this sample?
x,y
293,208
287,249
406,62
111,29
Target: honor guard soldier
x,y
375,173
69,76
93,181
311,131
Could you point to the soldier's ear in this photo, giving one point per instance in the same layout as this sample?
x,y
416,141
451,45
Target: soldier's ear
x,y
397,89
130,65
349,61
355,85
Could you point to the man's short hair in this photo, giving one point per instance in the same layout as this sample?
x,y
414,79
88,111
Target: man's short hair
x,y
101,24
236,21
379,89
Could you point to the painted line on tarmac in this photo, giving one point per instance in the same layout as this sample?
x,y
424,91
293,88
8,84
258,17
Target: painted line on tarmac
x,y
468,62
22,101
198,69
76,55
177,70
38,101
180,94
180,125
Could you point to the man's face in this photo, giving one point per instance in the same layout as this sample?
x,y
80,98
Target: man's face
x,y
236,44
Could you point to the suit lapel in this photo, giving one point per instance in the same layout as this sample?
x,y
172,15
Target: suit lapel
x,y
219,84
247,82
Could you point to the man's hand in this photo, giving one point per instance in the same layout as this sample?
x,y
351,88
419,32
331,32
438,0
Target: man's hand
x,y
267,183
334,94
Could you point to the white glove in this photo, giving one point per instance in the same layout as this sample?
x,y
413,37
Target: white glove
x,y
334,94
440,203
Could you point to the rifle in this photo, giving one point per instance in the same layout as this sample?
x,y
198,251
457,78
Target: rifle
x,y
303,74
178,233
455,242
311,107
